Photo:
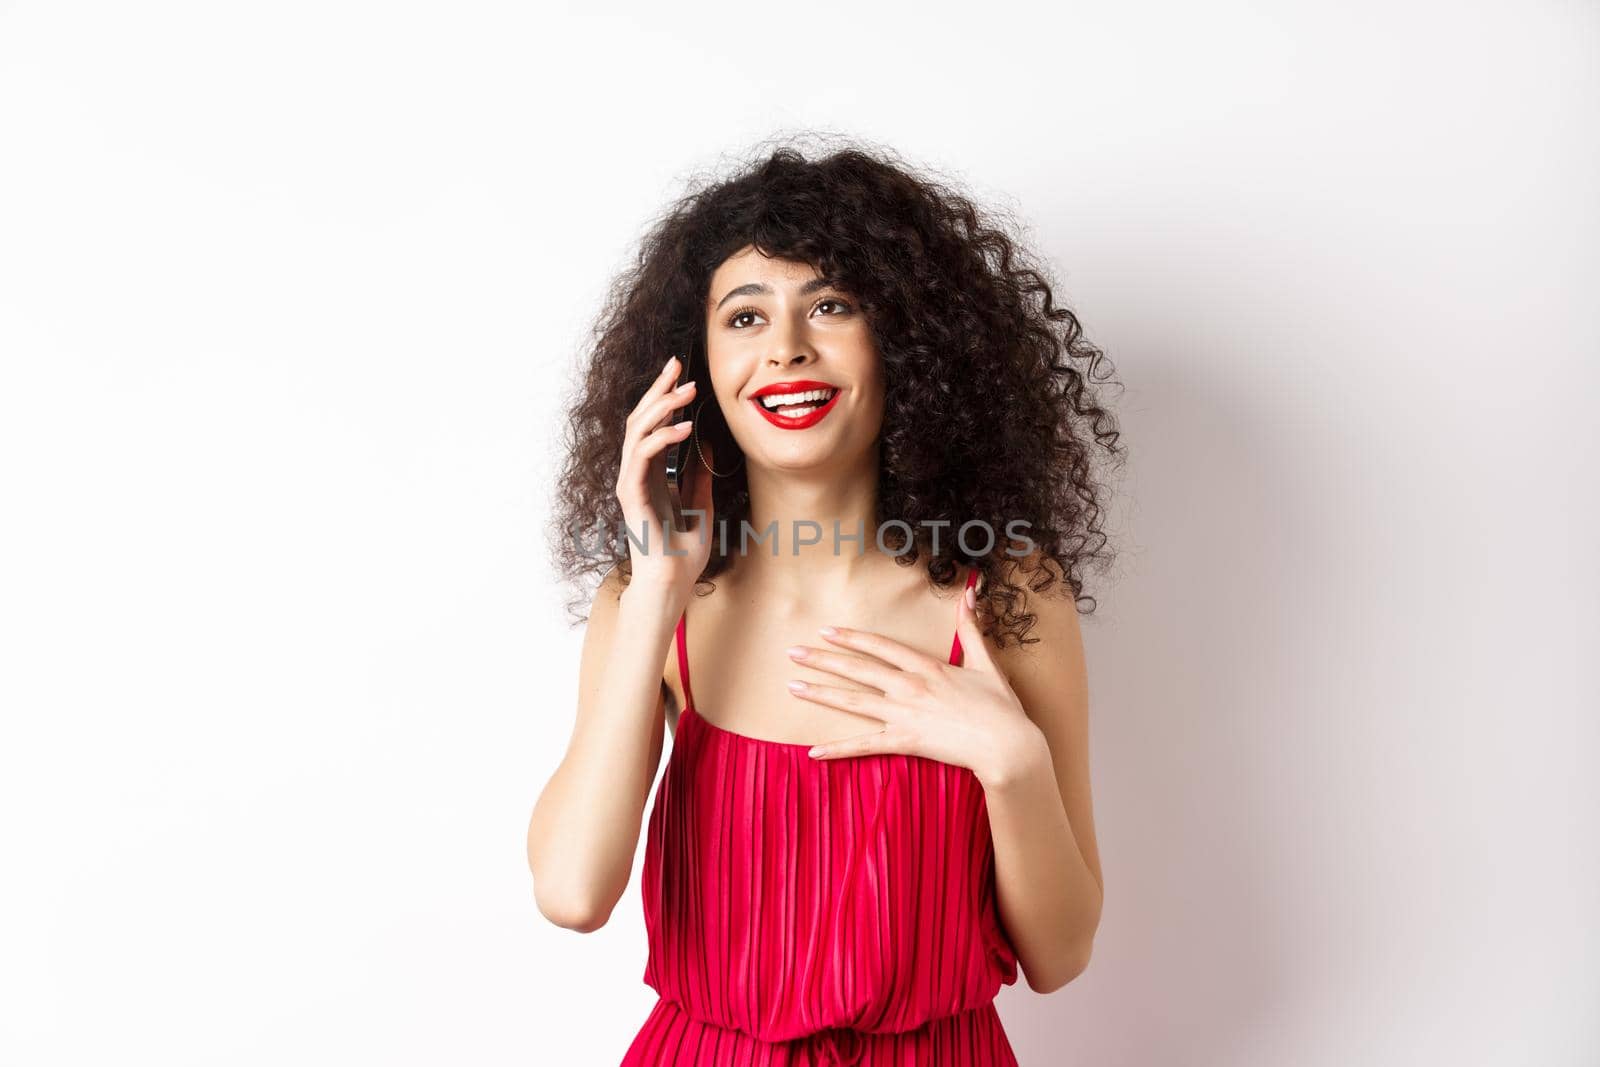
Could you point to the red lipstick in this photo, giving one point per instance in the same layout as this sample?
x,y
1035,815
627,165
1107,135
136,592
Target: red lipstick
x,y
813,408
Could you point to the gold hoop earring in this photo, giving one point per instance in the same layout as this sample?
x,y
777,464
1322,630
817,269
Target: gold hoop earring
x,y
695,433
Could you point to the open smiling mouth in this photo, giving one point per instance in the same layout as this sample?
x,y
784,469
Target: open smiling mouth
x,y
791,408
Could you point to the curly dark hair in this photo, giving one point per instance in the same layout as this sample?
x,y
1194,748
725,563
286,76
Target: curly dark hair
x,y
990,408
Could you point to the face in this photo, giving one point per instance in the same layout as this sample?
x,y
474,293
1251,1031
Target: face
x,y
774,325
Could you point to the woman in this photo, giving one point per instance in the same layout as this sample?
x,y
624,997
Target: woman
x,y
877,385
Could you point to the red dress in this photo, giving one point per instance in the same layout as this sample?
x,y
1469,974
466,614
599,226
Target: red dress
x,y
806,912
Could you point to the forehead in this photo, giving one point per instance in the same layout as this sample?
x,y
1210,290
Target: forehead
x,y
749,265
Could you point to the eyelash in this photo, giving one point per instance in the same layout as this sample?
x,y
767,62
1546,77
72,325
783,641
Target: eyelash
x,y
756,311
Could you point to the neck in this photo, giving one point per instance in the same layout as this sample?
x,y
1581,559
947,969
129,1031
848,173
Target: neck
x,y
792,508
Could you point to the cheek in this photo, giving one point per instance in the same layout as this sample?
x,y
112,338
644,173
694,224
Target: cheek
x,y
876,409
722,373
872,384
871,403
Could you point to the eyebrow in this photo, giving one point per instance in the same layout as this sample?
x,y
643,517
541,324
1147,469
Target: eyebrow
x,y
754,288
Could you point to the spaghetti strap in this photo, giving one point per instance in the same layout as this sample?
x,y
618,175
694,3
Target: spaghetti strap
x,y
955,646
683,662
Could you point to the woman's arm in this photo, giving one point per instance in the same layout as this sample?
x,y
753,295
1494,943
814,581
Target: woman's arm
x,y
1047,864
585,826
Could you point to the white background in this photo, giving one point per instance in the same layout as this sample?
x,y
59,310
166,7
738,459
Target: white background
x,y
289,296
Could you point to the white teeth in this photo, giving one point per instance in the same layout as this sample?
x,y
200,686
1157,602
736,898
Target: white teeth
x,y
774,400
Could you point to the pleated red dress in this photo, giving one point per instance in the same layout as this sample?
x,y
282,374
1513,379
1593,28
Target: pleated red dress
x,y
818,912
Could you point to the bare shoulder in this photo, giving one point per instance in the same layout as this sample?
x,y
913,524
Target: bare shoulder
x,y
607,600
1053,652
604,610
600,627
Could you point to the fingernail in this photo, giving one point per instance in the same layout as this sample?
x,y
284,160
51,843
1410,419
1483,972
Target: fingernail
x,y
796,652
684,425
814,752
668,365
685,387
972,600
827,631
795,685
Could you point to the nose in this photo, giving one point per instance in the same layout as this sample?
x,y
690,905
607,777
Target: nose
x,y
790,345
798,357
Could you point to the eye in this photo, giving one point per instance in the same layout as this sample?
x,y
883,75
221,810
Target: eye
x,y
840,303
737,315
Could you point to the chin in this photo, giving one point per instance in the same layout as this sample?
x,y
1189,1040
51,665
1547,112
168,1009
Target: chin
x,y
795,459
809,456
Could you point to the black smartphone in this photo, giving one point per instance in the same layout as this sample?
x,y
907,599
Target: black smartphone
x,y
681,467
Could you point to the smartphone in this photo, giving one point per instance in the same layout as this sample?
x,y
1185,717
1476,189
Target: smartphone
x,y
681,466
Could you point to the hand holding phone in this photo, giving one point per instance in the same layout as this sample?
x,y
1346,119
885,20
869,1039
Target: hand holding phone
x,y
669,554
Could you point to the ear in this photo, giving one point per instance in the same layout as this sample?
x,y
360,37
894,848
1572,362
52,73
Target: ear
x,y
974,653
